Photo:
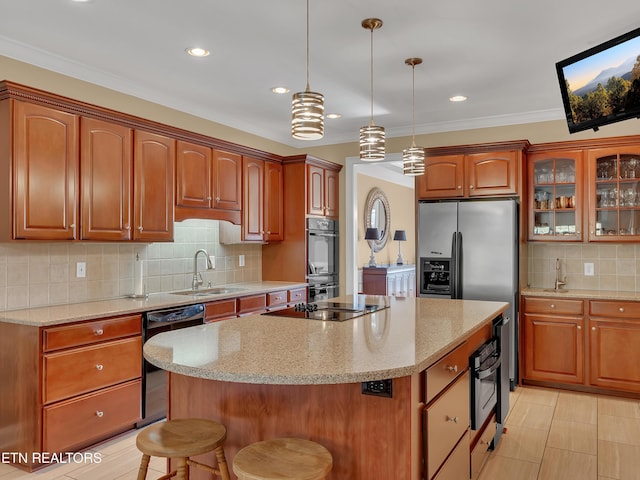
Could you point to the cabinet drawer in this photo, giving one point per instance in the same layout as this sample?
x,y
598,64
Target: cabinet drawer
x,y
298,295
480,452
84,369
252,303
447,419
66,336
615,309
220,309
554,306
442,373
90,418
457,465
275,299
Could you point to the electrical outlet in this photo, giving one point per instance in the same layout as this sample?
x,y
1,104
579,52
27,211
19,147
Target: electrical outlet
x,y
241,260
81,270
588,269
213,261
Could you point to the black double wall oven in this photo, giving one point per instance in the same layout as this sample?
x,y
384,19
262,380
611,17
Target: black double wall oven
x,y
322,258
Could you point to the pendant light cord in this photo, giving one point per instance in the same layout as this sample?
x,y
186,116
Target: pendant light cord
x,y
371,123
308,46
413,105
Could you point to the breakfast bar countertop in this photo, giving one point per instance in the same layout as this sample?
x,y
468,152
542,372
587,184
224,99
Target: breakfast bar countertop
x,y
392,342
74,312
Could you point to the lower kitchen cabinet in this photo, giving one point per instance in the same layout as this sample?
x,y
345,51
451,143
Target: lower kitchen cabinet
x,y
558,350
220,310
71,385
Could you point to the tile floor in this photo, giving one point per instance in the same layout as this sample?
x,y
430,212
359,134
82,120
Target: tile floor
x,y
551,435
561,435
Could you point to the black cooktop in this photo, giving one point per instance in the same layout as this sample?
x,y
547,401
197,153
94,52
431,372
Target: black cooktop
x,y
327,311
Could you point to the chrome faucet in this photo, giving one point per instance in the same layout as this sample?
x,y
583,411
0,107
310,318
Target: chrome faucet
x,y
559,283
197,277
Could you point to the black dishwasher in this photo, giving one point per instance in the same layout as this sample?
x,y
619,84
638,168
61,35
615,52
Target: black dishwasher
x,y
154,380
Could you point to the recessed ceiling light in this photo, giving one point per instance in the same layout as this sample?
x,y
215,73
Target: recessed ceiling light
x,y
280,90
333,115
197,52
458,98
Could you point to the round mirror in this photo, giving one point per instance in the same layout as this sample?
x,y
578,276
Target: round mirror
x,y
377,215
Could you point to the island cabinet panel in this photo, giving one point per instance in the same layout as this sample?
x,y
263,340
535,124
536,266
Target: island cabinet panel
x,y
337,416
106,176
445,371
252,304
458,464
45,173
154,171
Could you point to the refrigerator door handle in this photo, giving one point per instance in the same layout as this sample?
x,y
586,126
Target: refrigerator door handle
x,y
458,264
453,278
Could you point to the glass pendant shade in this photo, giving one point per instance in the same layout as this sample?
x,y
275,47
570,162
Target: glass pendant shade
x,y
372,142
307,115
413,161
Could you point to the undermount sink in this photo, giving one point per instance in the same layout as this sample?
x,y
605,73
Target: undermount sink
x,y
209,291
558,290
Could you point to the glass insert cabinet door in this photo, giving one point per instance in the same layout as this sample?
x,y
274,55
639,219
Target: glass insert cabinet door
x,y
614,194
555,199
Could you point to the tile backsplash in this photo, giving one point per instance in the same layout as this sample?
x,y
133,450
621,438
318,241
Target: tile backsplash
x,y
34,274
616,266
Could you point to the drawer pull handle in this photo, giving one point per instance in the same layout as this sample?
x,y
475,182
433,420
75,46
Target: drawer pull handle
x,y
579,327
99,367
484,442
553,305
452,419
98,331
451,368
621,309
99,413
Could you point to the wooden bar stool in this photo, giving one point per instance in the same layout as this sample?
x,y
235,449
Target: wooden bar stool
x,y
283,459
181,439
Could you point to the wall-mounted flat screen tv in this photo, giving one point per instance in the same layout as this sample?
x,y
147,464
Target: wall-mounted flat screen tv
x,y
602,85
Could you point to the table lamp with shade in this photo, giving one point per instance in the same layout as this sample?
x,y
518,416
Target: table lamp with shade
x,y
372,234
400,236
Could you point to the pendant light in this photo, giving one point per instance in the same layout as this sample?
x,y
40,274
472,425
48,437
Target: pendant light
x,y
307,108
372,136
413,157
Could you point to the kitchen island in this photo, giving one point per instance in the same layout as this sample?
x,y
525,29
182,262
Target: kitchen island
x,y
270,376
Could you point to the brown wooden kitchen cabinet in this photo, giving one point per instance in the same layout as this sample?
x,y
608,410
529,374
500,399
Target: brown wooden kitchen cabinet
x,y
154,161
554,340
273,202
472,171
45,170
555,195
262,200
322,191
106,176
72,385
220,310
208,183
614,193
614,336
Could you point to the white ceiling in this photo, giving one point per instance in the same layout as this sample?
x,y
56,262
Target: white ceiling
x,y
499,53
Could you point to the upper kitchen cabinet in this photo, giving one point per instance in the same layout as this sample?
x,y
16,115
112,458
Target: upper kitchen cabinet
x,y
322,191
555,195
614,193
106,172
208,183
44,162
262,200
472,171
153,160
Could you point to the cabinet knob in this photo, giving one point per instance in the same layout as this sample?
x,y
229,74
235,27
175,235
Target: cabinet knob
x,y
98,331
73,225
621,309
579,327
459,187
99,367
452,368
127,227
553,305
217,199
209,198
593,329
140,228
452,419
470,187
99,413
268,232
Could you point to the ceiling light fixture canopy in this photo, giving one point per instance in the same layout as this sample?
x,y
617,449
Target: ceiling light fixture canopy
x,y
413,157
307,108
372,137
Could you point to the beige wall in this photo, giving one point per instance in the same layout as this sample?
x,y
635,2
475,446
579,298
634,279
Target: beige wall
x,y
402,206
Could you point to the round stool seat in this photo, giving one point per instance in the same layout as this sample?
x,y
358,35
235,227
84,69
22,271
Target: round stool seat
x,y
181,437
283,459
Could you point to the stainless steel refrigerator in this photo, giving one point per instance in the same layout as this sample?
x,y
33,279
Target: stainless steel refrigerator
x,y
469,250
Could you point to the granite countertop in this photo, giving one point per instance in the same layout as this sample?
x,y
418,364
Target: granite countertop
x,y
582,294
61,314
401,340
